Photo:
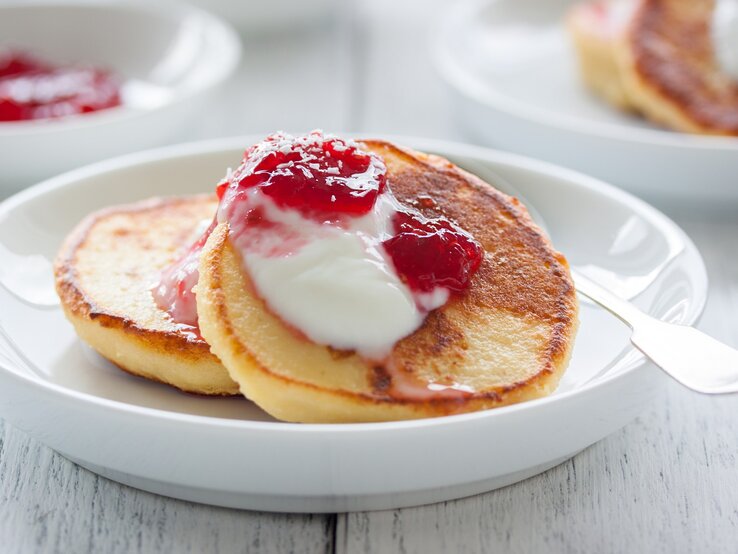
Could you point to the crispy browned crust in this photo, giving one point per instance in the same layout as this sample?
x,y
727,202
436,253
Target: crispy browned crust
x,y
521,274
81,307
672,56
513,243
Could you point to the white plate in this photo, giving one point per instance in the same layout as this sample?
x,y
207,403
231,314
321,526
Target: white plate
x,y
228,452
513,75
170,56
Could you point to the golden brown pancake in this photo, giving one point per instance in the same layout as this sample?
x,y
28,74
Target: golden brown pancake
x,y
508,338
104,275
661,58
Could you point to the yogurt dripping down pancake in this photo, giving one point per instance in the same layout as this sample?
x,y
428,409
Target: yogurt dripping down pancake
x,y
104,274
506,339
658,58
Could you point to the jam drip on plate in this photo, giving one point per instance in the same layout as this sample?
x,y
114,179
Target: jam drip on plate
x,y
174,291
34,89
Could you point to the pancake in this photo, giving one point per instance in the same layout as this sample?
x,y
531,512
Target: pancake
x,y
104,274
661,59
595,28
507,339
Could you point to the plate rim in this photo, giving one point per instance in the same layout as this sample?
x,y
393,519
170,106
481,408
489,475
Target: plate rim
x,y
177,151
470,87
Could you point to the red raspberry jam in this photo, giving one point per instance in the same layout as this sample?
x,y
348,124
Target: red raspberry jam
x,y
430,253
33,89
18,63
323,178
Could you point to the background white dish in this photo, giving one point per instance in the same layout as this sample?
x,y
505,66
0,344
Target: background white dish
x,y
230,453
513,75
257,16
169,56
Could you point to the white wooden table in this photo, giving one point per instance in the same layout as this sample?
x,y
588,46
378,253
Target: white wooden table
x,y
665,483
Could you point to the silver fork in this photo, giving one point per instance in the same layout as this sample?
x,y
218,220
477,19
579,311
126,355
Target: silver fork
x,y
693,358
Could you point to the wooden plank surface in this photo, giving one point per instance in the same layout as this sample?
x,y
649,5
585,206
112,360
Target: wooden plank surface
x,y
665,483
49,505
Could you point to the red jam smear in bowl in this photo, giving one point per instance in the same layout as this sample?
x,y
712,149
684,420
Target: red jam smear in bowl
x,y
32,89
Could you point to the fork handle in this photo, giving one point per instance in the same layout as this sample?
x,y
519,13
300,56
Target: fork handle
x,y
688,355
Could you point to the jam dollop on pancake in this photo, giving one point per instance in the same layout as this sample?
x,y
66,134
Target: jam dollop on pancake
x,y
104,275
504,338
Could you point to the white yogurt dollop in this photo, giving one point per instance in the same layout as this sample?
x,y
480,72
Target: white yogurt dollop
x,y
725,36
336,284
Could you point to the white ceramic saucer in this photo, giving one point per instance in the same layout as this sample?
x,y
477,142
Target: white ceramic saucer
x,y
512,73
228,452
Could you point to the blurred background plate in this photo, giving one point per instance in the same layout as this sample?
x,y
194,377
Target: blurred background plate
x,y
258,16
228,452
515,83
170,56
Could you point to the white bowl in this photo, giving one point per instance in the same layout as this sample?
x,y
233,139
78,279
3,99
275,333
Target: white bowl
x,y
513,77
228,452
170,56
